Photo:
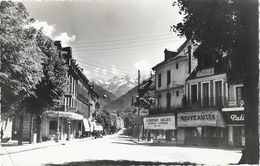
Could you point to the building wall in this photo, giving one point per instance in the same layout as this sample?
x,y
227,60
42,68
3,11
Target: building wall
x,y
211,80
178,77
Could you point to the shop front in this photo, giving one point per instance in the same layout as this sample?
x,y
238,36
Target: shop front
x,y
62,125
160,128
201,128
236,127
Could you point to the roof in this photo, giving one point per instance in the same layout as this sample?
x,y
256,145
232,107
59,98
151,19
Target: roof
x,y
174,55
220,67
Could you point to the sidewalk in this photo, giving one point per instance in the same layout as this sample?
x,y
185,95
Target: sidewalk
x,y
151,143
11,146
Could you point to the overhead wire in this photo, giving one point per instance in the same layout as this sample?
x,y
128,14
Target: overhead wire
x,y
104,67
119,67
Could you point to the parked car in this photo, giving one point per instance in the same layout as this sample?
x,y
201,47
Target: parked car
x,y
98,135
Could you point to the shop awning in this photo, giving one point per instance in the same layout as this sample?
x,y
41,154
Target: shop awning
x,y
62,114
97,127
200,119
86,124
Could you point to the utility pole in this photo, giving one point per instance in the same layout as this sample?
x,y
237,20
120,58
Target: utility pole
x,y
139,107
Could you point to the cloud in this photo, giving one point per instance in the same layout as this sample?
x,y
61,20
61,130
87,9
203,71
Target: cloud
x,y
65,38
48,30
143,65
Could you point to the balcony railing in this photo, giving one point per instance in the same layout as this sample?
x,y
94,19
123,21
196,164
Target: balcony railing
x,y
161,111
207,102
234,103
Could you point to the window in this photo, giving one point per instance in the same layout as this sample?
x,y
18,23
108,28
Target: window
x,y
218,92
159,80
177,65
196,132
168,77
168,104
159,100
53,125
194,94
177,93
239,93
205,94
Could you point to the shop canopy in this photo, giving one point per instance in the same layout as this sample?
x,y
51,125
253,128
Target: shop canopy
x,y
200,119
62,114
86,124
97,127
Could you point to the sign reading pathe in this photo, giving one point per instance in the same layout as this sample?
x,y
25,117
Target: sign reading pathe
x,y
160,123
234,117
202,118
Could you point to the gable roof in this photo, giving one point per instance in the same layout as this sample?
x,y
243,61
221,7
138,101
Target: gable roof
x,y
174,55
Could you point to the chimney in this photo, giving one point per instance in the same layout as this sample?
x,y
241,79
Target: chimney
x,y
166,55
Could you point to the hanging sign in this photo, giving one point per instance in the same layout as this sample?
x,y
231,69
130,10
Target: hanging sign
x,y
234,117
160,123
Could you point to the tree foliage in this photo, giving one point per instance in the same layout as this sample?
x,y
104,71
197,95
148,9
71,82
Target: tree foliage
x,y
229,26
21,59
52,85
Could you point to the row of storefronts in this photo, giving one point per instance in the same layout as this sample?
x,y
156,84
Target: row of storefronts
x,y
198,100
199,128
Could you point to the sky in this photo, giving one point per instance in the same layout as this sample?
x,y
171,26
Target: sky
x,y
110,37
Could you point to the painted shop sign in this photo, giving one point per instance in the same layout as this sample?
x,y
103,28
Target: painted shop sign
x,y
234,117
202,118
205,72
160,123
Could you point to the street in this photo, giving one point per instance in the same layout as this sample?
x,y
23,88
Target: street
x,y
110,149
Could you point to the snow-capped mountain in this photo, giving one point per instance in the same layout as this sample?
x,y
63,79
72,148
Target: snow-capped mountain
x,y
118,85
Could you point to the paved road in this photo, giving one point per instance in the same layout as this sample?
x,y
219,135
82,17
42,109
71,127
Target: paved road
x,y
117,147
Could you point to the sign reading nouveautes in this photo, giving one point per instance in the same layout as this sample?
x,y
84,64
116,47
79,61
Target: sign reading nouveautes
x,y
201,118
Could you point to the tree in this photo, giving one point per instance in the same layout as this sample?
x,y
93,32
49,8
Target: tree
x,y
21,67
21,60
52,85
229,26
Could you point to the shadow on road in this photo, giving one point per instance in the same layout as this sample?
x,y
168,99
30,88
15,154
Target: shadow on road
x,y
120,162
123,143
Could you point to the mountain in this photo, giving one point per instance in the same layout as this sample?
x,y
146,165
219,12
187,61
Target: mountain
x,y
118,85
101,92
122,104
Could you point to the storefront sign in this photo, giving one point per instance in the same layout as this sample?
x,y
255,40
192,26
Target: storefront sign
x,y
160,123
198,119
234,117
205,72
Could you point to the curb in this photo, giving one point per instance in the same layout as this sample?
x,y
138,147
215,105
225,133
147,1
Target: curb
x,y
30,147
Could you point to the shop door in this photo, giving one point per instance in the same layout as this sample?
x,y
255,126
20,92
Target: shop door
x,y
237,135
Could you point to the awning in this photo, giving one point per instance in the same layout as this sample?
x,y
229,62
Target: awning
x,y
97,127
86,124
62,114
200,119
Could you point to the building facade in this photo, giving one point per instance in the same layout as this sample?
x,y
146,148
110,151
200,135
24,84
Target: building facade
x,y
72,115
170,76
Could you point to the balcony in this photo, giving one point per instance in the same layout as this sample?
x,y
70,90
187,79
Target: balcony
x,y
233,105
68,94
161,111
207,102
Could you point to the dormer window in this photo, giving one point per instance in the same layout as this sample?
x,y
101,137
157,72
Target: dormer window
x,y
177,65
